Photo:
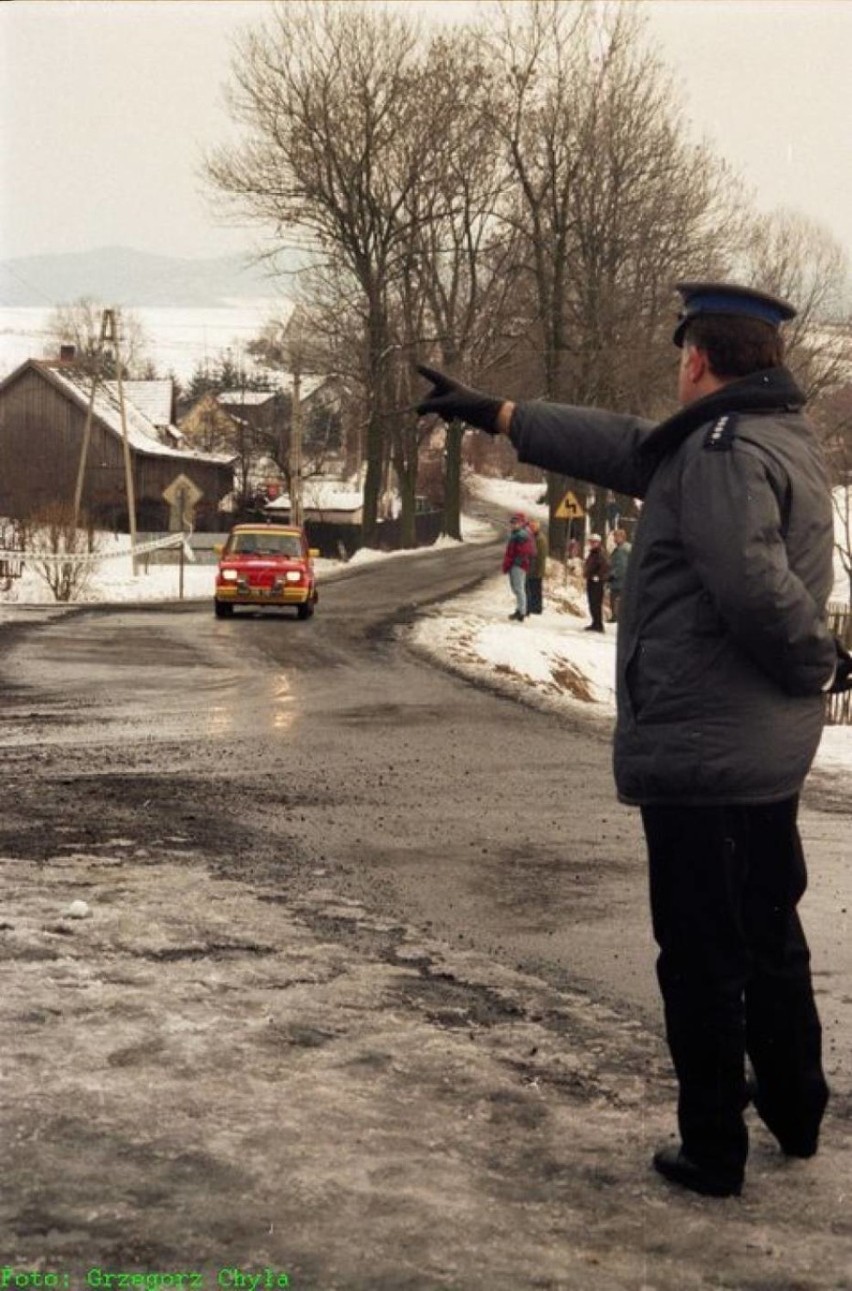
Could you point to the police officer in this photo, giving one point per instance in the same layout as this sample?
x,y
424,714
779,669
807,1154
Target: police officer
x,y
723,661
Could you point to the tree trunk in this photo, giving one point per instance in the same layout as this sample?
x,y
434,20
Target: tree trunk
x,y
375,436
452,480
407,478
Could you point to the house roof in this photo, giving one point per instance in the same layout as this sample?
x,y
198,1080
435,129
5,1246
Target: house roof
x,y
322,495
141,429
307,386
153,398
283,385
247,398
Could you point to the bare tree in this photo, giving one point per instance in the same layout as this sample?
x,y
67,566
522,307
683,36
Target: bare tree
x,y
611,200
842,499
797,258
462,258
832,415
332,100
332,345
59,547
80,324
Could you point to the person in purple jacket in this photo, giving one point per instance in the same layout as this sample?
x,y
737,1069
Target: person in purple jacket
x,y
723,661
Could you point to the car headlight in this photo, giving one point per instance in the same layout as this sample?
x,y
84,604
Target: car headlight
x,y
293,576
229,575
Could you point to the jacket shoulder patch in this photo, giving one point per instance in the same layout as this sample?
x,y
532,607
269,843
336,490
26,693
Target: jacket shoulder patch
x,y
720,436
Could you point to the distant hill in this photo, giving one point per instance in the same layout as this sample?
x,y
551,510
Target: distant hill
x,y
121,276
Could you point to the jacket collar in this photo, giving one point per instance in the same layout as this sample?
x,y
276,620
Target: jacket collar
x,y
772,390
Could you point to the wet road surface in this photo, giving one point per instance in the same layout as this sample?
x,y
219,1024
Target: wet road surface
x,y
326,751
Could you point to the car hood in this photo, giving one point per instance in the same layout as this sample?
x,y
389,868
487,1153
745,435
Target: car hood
x,y
245,564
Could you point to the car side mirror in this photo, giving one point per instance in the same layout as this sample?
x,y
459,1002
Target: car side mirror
x,y
218,548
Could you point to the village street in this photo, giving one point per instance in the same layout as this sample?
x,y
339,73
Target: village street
x,y
362,990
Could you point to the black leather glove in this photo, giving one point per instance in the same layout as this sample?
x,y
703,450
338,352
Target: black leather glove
x,y
843,676
455,402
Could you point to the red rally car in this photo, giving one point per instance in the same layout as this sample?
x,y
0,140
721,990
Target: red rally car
x,y
266,564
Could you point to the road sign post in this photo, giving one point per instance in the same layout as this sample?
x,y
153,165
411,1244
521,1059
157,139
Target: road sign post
x,y
569,509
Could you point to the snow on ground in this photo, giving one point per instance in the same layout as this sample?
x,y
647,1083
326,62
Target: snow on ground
x,y
549,660
550,654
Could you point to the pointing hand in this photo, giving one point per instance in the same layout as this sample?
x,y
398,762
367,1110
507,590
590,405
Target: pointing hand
x,y
456,402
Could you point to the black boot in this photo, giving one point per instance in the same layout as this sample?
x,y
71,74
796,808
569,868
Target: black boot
x,y
793,1143
677,1167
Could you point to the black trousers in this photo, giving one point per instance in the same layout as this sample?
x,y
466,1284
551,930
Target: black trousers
x,y
734,972
534,594
594,595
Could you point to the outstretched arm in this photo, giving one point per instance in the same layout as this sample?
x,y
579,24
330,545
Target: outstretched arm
x,y
587,443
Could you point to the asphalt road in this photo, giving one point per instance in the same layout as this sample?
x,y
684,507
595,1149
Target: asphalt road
x,y
327,750
290,1033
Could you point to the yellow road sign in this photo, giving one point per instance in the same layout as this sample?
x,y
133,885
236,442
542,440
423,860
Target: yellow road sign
x,y
569,508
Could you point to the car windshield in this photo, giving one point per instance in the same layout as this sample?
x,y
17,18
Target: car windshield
x,y
265,544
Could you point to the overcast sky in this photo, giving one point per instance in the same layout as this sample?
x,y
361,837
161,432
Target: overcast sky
x,y
107,105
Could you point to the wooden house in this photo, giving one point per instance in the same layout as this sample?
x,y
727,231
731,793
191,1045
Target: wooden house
x,y
325,501
44,407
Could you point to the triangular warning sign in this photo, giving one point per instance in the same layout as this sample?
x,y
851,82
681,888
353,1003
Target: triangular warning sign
x,y
569,508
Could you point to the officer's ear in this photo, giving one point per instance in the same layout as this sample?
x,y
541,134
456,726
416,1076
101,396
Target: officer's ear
x,y
696,363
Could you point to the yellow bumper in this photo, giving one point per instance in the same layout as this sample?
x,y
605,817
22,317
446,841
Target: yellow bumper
x,y
263,595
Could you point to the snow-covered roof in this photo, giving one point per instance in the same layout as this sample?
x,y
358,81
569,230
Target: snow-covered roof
x,y
307,385
251,398
323,495
152,398
141,430
283,385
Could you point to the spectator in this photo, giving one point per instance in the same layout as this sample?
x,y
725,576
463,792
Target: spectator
x,y
595,572
538,570
517,558
618,559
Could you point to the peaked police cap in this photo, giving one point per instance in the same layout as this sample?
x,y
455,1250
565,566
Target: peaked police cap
x,y
728,298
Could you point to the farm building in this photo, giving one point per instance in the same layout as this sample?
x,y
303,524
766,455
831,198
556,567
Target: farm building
x,y
324,501
44,407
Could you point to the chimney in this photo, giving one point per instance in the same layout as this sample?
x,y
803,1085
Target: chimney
x,y
67,353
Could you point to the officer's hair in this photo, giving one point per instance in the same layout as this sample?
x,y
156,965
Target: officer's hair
x,y
736,346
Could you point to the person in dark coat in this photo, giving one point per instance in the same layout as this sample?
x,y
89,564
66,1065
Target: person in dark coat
x,y
723,662
596,573
537,570
517,559
619,558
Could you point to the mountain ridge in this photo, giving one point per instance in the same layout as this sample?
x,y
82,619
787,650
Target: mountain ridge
x,y
124,276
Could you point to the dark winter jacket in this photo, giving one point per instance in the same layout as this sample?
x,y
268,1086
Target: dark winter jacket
x,y
723,651
619,558
520,550
539,566
596,566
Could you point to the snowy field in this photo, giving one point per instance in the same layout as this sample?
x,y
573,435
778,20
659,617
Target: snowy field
x,y
548,660
178,339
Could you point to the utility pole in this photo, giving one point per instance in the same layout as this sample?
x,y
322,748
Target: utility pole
x,y
107,326
128,462
84,451
297,510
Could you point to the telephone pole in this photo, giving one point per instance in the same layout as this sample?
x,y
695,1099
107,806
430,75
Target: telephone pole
x,y
297,510
109,332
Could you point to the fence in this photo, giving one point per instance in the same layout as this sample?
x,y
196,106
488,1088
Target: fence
x,y
839,707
